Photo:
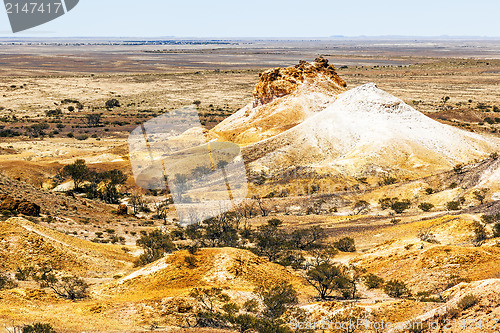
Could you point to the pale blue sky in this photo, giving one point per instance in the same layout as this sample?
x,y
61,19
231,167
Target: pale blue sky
x,y
271,18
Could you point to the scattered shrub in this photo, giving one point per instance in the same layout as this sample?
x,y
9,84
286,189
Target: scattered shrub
x,y
479,233
396,289
6,282
427,236
490,218
112,103
496,230
345,244
425,206
400,206
395,221
361,207
24,274
372,281
155,245
480,195
53,113
191,261
489,120
38,328
453,205
467,302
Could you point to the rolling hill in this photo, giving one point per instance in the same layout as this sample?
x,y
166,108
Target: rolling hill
x,y
367,131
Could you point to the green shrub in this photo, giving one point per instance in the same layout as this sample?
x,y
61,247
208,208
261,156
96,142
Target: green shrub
x,y
425,206
191,261
372,281
6,282
426,296
467,302
487,219
496,230
155,245
453,205
345,244
396,289
112,103
489,120
400,206
38,328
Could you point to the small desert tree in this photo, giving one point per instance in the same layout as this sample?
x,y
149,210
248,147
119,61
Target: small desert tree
x,y
479,233
307,239
373,281
345,244
211,301
220,231
270,240
496,230
94,178
155,245
70,287
78,171
361,207
277,298
92,120
37,130
480,195
138,203
112,178
324,278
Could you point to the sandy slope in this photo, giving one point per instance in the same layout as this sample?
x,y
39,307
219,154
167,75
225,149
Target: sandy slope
x,y
23,244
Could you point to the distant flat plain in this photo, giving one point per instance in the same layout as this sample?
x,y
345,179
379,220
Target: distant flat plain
x,y
84,56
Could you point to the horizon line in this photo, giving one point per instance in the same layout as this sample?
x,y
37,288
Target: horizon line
x,y
333,37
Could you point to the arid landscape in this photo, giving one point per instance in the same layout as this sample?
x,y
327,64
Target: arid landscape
x,y
373,175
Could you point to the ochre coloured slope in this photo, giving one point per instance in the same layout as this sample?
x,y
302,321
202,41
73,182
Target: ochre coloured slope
x,y
23,244
238,270
430,268
481,317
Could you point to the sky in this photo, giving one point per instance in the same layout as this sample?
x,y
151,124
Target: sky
x,y
270,18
